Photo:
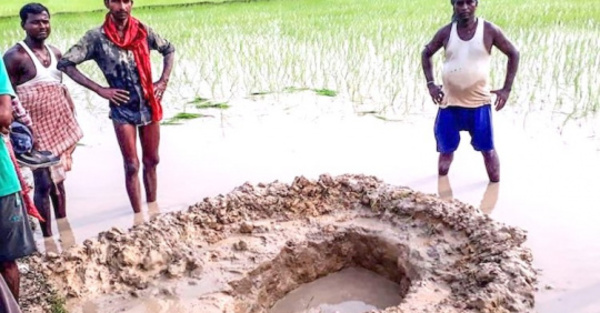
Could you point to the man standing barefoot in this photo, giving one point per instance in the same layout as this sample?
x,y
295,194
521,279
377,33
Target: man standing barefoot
x,y
121,48
465,98
16,237
32,67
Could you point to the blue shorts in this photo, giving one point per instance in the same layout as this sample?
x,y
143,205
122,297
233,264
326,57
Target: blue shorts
x,y
126,115
477,121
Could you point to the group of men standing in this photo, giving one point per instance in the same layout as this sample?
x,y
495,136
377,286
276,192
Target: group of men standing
x,y
121,48
32,93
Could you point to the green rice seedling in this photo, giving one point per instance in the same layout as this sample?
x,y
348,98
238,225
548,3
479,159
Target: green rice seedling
x,y
325,92
199,100
209,105
261,93
295,89
367,51
183,116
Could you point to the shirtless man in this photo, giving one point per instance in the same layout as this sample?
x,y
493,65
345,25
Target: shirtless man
x,y
32,68
465,98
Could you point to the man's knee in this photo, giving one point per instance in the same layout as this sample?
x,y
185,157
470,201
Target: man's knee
x,y
490,153
132,167
151,161
444,162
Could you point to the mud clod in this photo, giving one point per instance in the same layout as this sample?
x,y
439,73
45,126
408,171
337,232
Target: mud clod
x,y
246,228
240,246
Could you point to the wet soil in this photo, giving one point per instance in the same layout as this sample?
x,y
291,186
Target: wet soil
x,y
548,184
261,242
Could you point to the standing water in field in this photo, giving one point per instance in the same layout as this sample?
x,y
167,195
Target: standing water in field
x,y
326,137
352,290
379,123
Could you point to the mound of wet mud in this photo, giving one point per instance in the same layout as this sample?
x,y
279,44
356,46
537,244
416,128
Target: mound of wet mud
x,y
243,251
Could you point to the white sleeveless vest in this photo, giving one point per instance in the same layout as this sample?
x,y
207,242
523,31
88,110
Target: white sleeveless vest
x,y
43,74
466,70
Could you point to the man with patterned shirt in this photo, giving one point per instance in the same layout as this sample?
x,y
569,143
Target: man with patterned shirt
x,y
121,48
32,68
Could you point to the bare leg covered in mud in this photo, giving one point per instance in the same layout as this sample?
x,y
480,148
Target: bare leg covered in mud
x,y
126,137
490,158
59,200
444,162
492,165
149,137
10,272
47,193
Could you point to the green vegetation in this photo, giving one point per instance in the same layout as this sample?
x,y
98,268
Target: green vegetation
x,y
367,51
57,304
204,103
294,89
209,105
326,92
183,116
12,7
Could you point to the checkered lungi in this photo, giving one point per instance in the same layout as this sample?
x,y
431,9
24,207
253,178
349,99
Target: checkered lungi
x,y
55,128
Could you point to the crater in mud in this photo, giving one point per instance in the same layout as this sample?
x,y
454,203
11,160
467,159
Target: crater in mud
x,y
244,251
306,262
351,290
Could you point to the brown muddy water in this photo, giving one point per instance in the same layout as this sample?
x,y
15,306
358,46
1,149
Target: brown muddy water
x,y
351,290
549,183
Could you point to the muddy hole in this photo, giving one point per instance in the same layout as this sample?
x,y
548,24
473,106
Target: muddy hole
x,y
351,273
350,244
351,290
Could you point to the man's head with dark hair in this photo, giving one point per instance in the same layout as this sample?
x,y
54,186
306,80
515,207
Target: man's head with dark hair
x,y
452,2
35,20
32,8
119,10
463,9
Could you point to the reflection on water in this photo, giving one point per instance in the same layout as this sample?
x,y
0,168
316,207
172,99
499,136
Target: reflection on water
x,y
490,198
153,209
488,201
66,239
138,218
300,134
444,188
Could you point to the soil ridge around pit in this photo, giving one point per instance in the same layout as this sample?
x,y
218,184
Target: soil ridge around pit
x,y
482,263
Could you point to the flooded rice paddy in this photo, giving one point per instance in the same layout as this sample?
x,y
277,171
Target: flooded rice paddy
x,y
547,185
379,123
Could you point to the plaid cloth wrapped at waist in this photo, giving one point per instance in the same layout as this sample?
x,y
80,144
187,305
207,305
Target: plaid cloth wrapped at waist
x,y
20,114
51,108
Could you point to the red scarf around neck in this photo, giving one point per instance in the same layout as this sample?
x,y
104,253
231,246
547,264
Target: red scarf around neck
x,y
135,39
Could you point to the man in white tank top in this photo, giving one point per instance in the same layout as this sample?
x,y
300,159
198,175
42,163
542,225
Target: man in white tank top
x,y
32,68
465,96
